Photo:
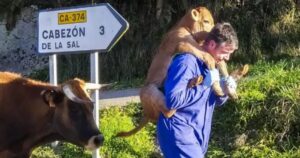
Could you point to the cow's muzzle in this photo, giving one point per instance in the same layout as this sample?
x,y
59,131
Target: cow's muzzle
x,y
95,142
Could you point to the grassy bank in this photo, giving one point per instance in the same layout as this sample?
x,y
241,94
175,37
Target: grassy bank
x,y
264,122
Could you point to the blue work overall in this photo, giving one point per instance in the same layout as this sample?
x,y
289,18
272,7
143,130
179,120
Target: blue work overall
x,y
187,132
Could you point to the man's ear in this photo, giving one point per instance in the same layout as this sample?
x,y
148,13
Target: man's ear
x,y
52,97
212,44
195,15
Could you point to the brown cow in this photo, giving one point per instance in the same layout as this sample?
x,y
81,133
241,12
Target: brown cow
x,y
33,113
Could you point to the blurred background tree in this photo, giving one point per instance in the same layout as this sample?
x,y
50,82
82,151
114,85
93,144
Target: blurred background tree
x,y
267,30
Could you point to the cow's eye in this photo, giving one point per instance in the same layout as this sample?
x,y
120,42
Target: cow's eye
x,y
75,109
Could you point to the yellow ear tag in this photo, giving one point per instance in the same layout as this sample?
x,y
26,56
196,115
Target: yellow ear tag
x,y
199,79
195,81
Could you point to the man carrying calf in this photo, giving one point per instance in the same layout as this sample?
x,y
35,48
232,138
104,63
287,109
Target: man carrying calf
x,y
187,132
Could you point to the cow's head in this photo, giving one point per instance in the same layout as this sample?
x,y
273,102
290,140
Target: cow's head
x,y
73,114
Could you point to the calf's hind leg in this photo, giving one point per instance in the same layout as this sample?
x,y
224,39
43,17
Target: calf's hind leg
x,y
153,102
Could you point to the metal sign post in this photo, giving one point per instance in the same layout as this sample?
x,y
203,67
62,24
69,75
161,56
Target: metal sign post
x,y
94,57
53,69
81,29
53,77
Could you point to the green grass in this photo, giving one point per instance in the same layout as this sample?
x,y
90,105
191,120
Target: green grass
x,y
117,119
263,123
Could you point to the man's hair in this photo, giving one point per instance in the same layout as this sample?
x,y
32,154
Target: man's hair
x,y
223,32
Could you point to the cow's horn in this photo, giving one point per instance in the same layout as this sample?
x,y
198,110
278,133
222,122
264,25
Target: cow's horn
x,y
69,93
92,86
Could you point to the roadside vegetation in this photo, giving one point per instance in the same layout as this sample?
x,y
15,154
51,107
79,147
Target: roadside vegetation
x,y
264,122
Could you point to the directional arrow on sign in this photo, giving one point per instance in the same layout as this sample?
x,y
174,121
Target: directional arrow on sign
x,y
80,29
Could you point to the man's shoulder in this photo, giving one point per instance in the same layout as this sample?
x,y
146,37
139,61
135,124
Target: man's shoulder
x,y
186,58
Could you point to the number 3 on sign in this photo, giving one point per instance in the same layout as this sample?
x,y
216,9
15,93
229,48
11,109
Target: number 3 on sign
x,y
101,30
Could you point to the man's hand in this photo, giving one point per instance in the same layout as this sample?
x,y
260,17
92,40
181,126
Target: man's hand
x,y
209,61
229,86
231,83
211,77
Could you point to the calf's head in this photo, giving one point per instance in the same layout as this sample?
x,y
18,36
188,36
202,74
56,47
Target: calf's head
x,y
236,75
73,114
198,21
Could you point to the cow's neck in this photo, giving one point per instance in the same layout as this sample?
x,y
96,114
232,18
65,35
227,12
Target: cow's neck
x,y
45,133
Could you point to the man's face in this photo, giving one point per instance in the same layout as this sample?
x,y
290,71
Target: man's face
x,y
220,51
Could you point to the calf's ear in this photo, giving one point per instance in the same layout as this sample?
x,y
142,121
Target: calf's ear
x,y
239,73
52,97
195,15
245,69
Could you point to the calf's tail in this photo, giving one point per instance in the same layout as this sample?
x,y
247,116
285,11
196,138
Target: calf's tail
x,y
142,124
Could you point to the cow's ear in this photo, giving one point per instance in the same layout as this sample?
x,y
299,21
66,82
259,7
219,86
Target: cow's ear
x,y
52,97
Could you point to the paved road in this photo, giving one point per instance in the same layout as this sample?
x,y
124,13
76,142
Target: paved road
x,y
118,97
